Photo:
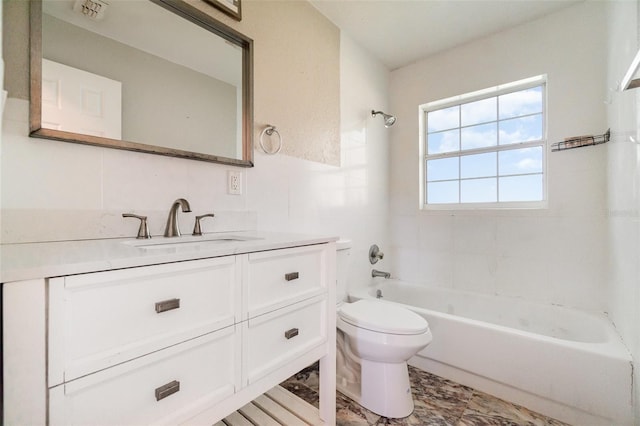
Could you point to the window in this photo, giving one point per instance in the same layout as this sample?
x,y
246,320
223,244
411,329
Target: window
x,y
485,149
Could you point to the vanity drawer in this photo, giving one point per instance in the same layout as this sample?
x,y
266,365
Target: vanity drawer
x,y
279,278
103,319
165,387
272,340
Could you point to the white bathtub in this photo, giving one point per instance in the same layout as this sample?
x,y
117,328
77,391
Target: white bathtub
x,y
567,364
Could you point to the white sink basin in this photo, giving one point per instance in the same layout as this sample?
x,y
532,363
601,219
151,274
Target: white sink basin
x,y
188,241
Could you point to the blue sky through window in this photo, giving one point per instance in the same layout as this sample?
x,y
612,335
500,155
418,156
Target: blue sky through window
x,y
488,150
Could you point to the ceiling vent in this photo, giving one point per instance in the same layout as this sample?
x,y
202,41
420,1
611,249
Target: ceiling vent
x,y
92,9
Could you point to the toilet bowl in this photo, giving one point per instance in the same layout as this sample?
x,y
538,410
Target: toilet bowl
x,y
374,341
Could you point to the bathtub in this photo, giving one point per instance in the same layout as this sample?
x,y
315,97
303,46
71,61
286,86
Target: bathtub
x,y
564,363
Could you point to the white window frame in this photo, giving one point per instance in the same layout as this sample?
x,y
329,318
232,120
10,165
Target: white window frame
x,y
472,97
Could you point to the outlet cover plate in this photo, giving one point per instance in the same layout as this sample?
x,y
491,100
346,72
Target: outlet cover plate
x,y
234,182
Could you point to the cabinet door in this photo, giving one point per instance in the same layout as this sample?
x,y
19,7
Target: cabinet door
x,y
278,278
102,319
273,340
165,387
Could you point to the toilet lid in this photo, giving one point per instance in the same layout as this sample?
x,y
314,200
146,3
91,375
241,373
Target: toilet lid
x,y
382,317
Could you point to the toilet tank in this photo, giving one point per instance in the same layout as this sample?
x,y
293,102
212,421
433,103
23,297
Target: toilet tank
x,y
343,258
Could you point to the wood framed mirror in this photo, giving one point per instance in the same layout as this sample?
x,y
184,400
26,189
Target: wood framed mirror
x,y
156,76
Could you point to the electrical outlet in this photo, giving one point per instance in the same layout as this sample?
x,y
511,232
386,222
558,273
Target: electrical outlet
x,y
234,182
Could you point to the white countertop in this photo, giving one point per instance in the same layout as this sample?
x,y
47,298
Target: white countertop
x,y
27,261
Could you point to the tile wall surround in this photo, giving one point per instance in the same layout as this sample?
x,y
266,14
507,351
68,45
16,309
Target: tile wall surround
x,y
83,190
556,255
623,184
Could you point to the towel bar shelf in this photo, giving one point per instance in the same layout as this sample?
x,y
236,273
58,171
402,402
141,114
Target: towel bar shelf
x,y
580,141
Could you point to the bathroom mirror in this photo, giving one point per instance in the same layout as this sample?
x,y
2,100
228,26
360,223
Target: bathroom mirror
x,y
154,76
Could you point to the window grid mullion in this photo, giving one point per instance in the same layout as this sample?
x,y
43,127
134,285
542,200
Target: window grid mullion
x,y
497,152
459,179
459,157
459,129
483,150
497,149
480,123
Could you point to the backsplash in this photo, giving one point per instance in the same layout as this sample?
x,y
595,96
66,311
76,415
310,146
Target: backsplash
x,y
35,225
84,190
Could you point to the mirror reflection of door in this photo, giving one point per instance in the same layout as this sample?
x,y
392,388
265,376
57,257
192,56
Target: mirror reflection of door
x,y
77,101
184,91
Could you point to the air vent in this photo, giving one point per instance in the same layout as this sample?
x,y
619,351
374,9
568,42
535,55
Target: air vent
x,y
92,9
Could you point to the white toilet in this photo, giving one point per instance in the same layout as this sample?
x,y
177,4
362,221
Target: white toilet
x,y
375,339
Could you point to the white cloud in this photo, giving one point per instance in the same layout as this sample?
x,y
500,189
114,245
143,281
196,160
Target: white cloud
x,y
529,164
479,136
443,119
481,111
521,103
444,142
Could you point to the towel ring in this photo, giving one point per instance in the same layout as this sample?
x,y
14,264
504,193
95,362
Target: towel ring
x,y
270,130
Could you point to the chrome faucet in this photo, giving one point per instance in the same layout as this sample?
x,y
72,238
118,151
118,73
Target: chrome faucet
x,y
376,273
172,229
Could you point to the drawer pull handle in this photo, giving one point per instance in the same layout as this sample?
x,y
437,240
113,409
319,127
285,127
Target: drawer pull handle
x,y
166,390
291,276
167,305
291,333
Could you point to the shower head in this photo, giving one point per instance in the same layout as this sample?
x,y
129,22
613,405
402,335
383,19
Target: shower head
x,y
389,120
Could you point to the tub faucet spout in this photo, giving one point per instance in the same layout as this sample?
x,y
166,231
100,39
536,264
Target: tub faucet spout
x,y
172,229
376,273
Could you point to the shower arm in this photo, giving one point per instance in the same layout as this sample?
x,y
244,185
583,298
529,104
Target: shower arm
x,y
389,119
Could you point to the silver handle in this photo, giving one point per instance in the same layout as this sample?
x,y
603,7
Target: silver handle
x,y
166,390
375,254
143,230
167,305
196,227
291,276
291,333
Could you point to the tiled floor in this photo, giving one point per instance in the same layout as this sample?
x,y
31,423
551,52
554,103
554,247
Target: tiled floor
x,y
437,402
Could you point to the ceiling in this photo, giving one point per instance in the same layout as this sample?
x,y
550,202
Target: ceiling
x,y
399,32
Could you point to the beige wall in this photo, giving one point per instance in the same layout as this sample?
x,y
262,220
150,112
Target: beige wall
x,y
296,70
15,47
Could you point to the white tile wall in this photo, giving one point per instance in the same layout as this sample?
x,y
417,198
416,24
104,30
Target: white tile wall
x,y
555,255
623,186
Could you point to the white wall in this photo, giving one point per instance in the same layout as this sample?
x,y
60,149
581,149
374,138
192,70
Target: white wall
x,y
350,201
58,191
555,255
623,185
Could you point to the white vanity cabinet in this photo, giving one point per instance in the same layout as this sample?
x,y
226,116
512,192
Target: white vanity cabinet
x,y
285,303
102,319
182,342
165,331
165,387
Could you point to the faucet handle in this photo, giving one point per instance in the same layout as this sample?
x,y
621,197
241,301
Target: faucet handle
x,y
196,228
143,231
375,254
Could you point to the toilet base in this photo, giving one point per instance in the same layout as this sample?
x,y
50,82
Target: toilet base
x,y
385,389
